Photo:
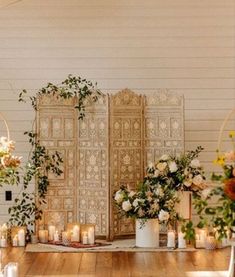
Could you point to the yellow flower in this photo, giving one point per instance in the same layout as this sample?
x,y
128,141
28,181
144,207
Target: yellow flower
x,y
232,134
220,160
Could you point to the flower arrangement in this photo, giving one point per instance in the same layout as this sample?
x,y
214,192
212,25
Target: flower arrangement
x,y
220,217
9,164
157,195
150,200
183,172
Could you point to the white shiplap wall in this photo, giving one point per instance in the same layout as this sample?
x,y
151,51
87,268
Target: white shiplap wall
x,y
185,45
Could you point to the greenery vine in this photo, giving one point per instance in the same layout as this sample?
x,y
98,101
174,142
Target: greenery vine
x,y
28,206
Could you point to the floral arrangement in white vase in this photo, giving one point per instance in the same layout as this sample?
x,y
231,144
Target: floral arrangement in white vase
x,y
150,200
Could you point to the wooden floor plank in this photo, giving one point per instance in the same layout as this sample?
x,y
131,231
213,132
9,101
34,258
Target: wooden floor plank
x,y
87,264
117,264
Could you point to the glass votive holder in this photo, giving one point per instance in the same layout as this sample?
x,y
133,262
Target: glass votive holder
x,y
210,243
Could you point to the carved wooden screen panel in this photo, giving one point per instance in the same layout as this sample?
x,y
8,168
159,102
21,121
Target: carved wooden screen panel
x,y
164,125
93,164
126,151
57,130
118,137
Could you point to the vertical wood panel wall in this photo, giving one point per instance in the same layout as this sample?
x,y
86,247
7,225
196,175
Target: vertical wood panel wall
x,y
185,45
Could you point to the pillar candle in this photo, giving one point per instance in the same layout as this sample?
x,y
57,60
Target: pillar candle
x,y
15,241
202,237
181,240
171,239
91,235
75,236
11,270
56,236
43,236
3,242
51,230
85,238
21,237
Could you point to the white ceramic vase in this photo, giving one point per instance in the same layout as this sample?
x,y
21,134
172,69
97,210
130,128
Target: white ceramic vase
x,y
184,207
147,233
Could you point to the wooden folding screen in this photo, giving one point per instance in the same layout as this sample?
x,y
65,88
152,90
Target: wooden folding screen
x,y
110,147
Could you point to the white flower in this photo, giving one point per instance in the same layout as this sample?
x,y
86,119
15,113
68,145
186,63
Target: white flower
x,y
119,196
156,173
197,180
164,157
195,163
151,165
161,166
135,202
131,194
163,215
173,167
206,192
159,191
126,206
3,140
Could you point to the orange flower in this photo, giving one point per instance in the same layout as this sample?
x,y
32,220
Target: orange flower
x,y
229,188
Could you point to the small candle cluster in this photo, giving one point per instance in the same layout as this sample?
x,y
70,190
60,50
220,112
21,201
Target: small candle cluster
x,y
18,236
209,240
171,239
3,235
75,232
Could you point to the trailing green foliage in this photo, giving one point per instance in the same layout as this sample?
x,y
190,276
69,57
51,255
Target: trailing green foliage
x,y
28,206
71,87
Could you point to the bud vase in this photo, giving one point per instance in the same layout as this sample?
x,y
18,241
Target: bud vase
x,y
147,233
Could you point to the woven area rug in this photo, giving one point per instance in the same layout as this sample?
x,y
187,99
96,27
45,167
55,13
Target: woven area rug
x,y
127,245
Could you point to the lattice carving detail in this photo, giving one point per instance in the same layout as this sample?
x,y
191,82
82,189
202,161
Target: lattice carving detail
x,y
57,129
164,125
126,150
93,178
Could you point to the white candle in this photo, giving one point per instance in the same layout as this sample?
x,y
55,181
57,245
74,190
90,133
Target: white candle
x,y
171,239
3,242
11,270
15,241
56,236
91,235
202,237
181,240
51,230
75,236
199,244
21,237
43,236
85,238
